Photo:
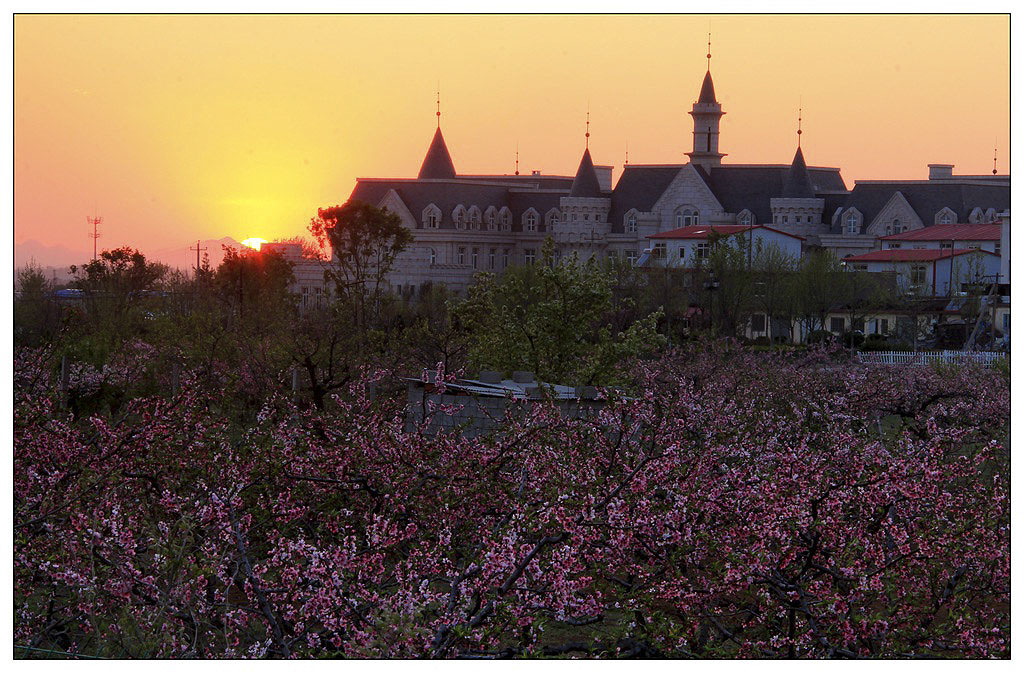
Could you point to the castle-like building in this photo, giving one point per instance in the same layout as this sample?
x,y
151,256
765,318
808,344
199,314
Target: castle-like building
x,y
463,224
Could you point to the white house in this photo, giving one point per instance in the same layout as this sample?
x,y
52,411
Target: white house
x,y
687,246
936,272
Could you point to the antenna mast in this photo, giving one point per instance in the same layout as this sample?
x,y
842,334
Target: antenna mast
x,y
197,249
95,222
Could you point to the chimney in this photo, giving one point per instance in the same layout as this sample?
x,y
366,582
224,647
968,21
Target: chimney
x,y
604,177
938,171
534,172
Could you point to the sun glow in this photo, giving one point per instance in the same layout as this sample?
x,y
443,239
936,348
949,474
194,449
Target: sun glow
x,y
254,243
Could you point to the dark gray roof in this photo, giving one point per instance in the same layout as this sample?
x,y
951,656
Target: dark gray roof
x,y
798,182
707,91
639,187
928,198
753,187
446,195
585,183
438,163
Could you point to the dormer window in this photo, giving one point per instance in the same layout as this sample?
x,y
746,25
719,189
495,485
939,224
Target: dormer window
x,y
531,221
631,223
474,218
851,223
506,219
492,219
431,217
745,218
945,216
459,215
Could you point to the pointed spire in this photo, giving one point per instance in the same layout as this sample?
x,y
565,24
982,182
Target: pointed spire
x,y
585,183
798,182
438,162
707,91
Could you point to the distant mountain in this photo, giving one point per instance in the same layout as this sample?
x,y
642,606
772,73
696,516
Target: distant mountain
x,y
48,255
185,259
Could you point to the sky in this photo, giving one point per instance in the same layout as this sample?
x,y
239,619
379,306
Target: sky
x,y
175,128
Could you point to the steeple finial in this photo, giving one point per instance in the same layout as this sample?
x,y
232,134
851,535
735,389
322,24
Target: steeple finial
x,y
995,155
439,104
627,152
517,158
799,125
587,135
709,51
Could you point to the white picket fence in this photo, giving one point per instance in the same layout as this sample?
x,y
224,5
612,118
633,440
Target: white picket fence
x,y
982,358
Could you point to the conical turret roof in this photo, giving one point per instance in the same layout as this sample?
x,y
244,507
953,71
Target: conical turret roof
x,y
798,182
707,91
437,163
585,183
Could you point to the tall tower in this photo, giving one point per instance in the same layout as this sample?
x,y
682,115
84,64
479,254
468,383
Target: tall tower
x,y
707,115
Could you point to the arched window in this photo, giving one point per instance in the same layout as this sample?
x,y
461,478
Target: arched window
x,y
433,257
474,217
506,219
687,217
746,218
945,216
491,215
897,227
631,223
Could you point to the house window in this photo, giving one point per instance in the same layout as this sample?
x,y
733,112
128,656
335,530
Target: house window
x,y
529,255
460,219
492,221
860,267
745,218
305,297
946,245
757,322
490,258
895,246
999,248
504,259
837,325
586,216
319,296
945,218
897,227
476,253
433,257
851,223
506,221
703,250
631,223
631,257
917,274
430,221
658,252
785,219
682,253
462,255
474,218
531,221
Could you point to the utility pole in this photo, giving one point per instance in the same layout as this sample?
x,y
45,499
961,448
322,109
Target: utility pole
x,y
95,222
198,250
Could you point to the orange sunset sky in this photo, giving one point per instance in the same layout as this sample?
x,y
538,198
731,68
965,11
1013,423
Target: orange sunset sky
x,y
175,128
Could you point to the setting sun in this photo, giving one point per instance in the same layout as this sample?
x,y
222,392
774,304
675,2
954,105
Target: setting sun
x,y
254,243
